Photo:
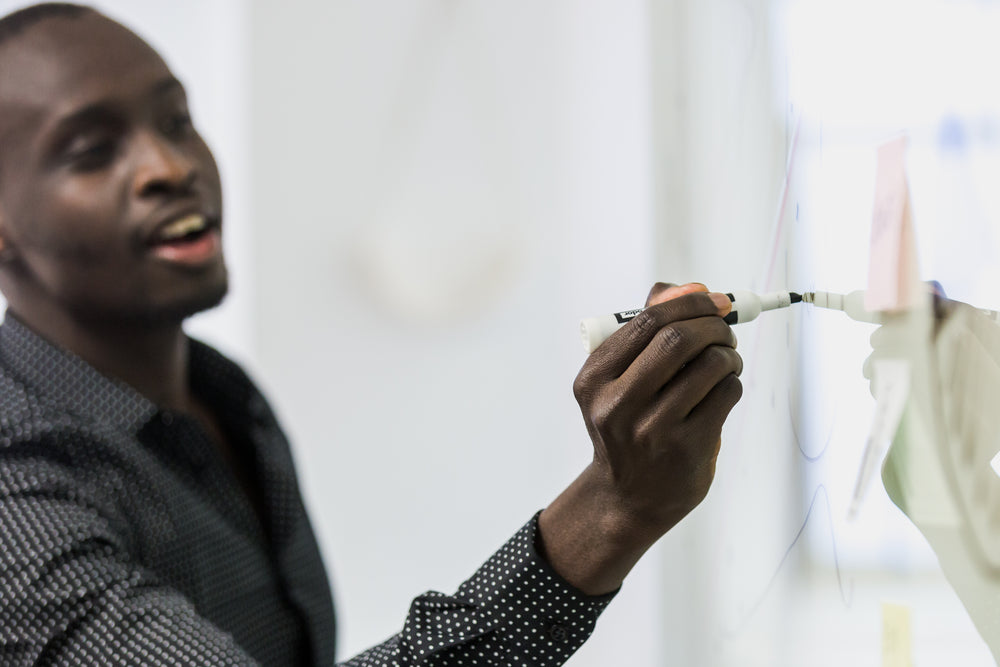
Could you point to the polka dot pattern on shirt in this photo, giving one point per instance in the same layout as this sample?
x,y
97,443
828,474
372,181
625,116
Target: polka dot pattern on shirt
x,y
514,611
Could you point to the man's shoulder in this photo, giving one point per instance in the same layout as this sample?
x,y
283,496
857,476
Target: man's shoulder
x,y
19,403
27,415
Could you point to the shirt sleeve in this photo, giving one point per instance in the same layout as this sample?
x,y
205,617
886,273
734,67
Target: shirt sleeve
x,y
70,593
515,610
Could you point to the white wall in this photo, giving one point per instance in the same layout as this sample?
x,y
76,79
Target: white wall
x,y
441,190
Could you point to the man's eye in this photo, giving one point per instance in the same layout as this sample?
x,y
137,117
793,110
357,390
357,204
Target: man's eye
x,y
92,156
177,123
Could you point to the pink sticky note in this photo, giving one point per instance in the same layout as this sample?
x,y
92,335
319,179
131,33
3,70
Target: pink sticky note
x,y
893,276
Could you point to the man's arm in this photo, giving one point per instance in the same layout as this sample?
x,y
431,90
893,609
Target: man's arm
x,y
515,610
654,397
70,591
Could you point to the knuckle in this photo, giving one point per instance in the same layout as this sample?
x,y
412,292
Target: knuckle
x,y
733,360
672,336
584,386
733,389
607,412
647,322
587,382
721,359
717,356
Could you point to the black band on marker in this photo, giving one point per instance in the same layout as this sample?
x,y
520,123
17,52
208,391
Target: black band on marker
x,y
733,317
627,315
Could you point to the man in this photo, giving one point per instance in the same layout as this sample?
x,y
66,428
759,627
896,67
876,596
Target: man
x,y
149,512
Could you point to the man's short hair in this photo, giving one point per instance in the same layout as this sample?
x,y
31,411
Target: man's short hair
x,y
19,21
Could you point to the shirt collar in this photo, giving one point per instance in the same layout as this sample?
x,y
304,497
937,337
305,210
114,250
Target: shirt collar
x,y
69,381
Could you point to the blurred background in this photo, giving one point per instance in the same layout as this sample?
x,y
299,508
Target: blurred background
x,y
425,196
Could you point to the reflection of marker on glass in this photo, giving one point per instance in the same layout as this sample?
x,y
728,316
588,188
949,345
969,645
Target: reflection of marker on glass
x,y
746,307
853,303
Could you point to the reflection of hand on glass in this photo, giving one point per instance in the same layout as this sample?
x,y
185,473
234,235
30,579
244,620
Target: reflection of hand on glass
x,y
938,470
889,340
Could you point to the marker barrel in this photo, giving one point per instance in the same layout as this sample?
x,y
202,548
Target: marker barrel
x,y
596,330
746,307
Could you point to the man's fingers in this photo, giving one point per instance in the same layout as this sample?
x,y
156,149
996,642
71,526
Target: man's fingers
x,y
710,414
704,422
694,382
657,293
613,358
662,292
677,345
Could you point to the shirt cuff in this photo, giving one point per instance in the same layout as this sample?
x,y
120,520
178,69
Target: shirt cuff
x,y
536,612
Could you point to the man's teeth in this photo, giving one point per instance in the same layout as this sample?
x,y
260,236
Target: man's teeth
x,y
183,226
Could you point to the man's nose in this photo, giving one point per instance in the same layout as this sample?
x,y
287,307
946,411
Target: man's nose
x,y
162,168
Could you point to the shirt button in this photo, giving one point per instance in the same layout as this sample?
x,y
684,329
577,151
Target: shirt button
x,y
558,632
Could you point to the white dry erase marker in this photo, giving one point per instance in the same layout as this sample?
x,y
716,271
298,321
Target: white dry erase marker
x,y
746,307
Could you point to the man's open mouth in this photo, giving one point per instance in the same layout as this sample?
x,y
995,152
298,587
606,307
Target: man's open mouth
x,y
190,239
185,229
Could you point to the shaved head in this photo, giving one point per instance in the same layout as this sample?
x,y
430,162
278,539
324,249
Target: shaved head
x,y
19,21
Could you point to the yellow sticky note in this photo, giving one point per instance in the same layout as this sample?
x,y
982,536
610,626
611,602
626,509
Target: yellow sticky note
x,y
897,642
893,277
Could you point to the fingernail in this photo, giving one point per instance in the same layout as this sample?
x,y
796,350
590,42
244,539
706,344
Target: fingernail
x,y
700,286
722,302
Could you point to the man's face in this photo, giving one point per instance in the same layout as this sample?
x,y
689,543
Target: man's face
x,y
110,202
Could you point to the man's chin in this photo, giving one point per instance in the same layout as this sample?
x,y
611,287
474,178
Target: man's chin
x,y
157,315
183,310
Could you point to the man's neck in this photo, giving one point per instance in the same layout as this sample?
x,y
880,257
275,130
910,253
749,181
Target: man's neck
x,y
152,359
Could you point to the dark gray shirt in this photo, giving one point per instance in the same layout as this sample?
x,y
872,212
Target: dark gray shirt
x,y
126,539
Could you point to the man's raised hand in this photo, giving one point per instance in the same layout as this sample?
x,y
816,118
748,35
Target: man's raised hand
x,y
654,397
